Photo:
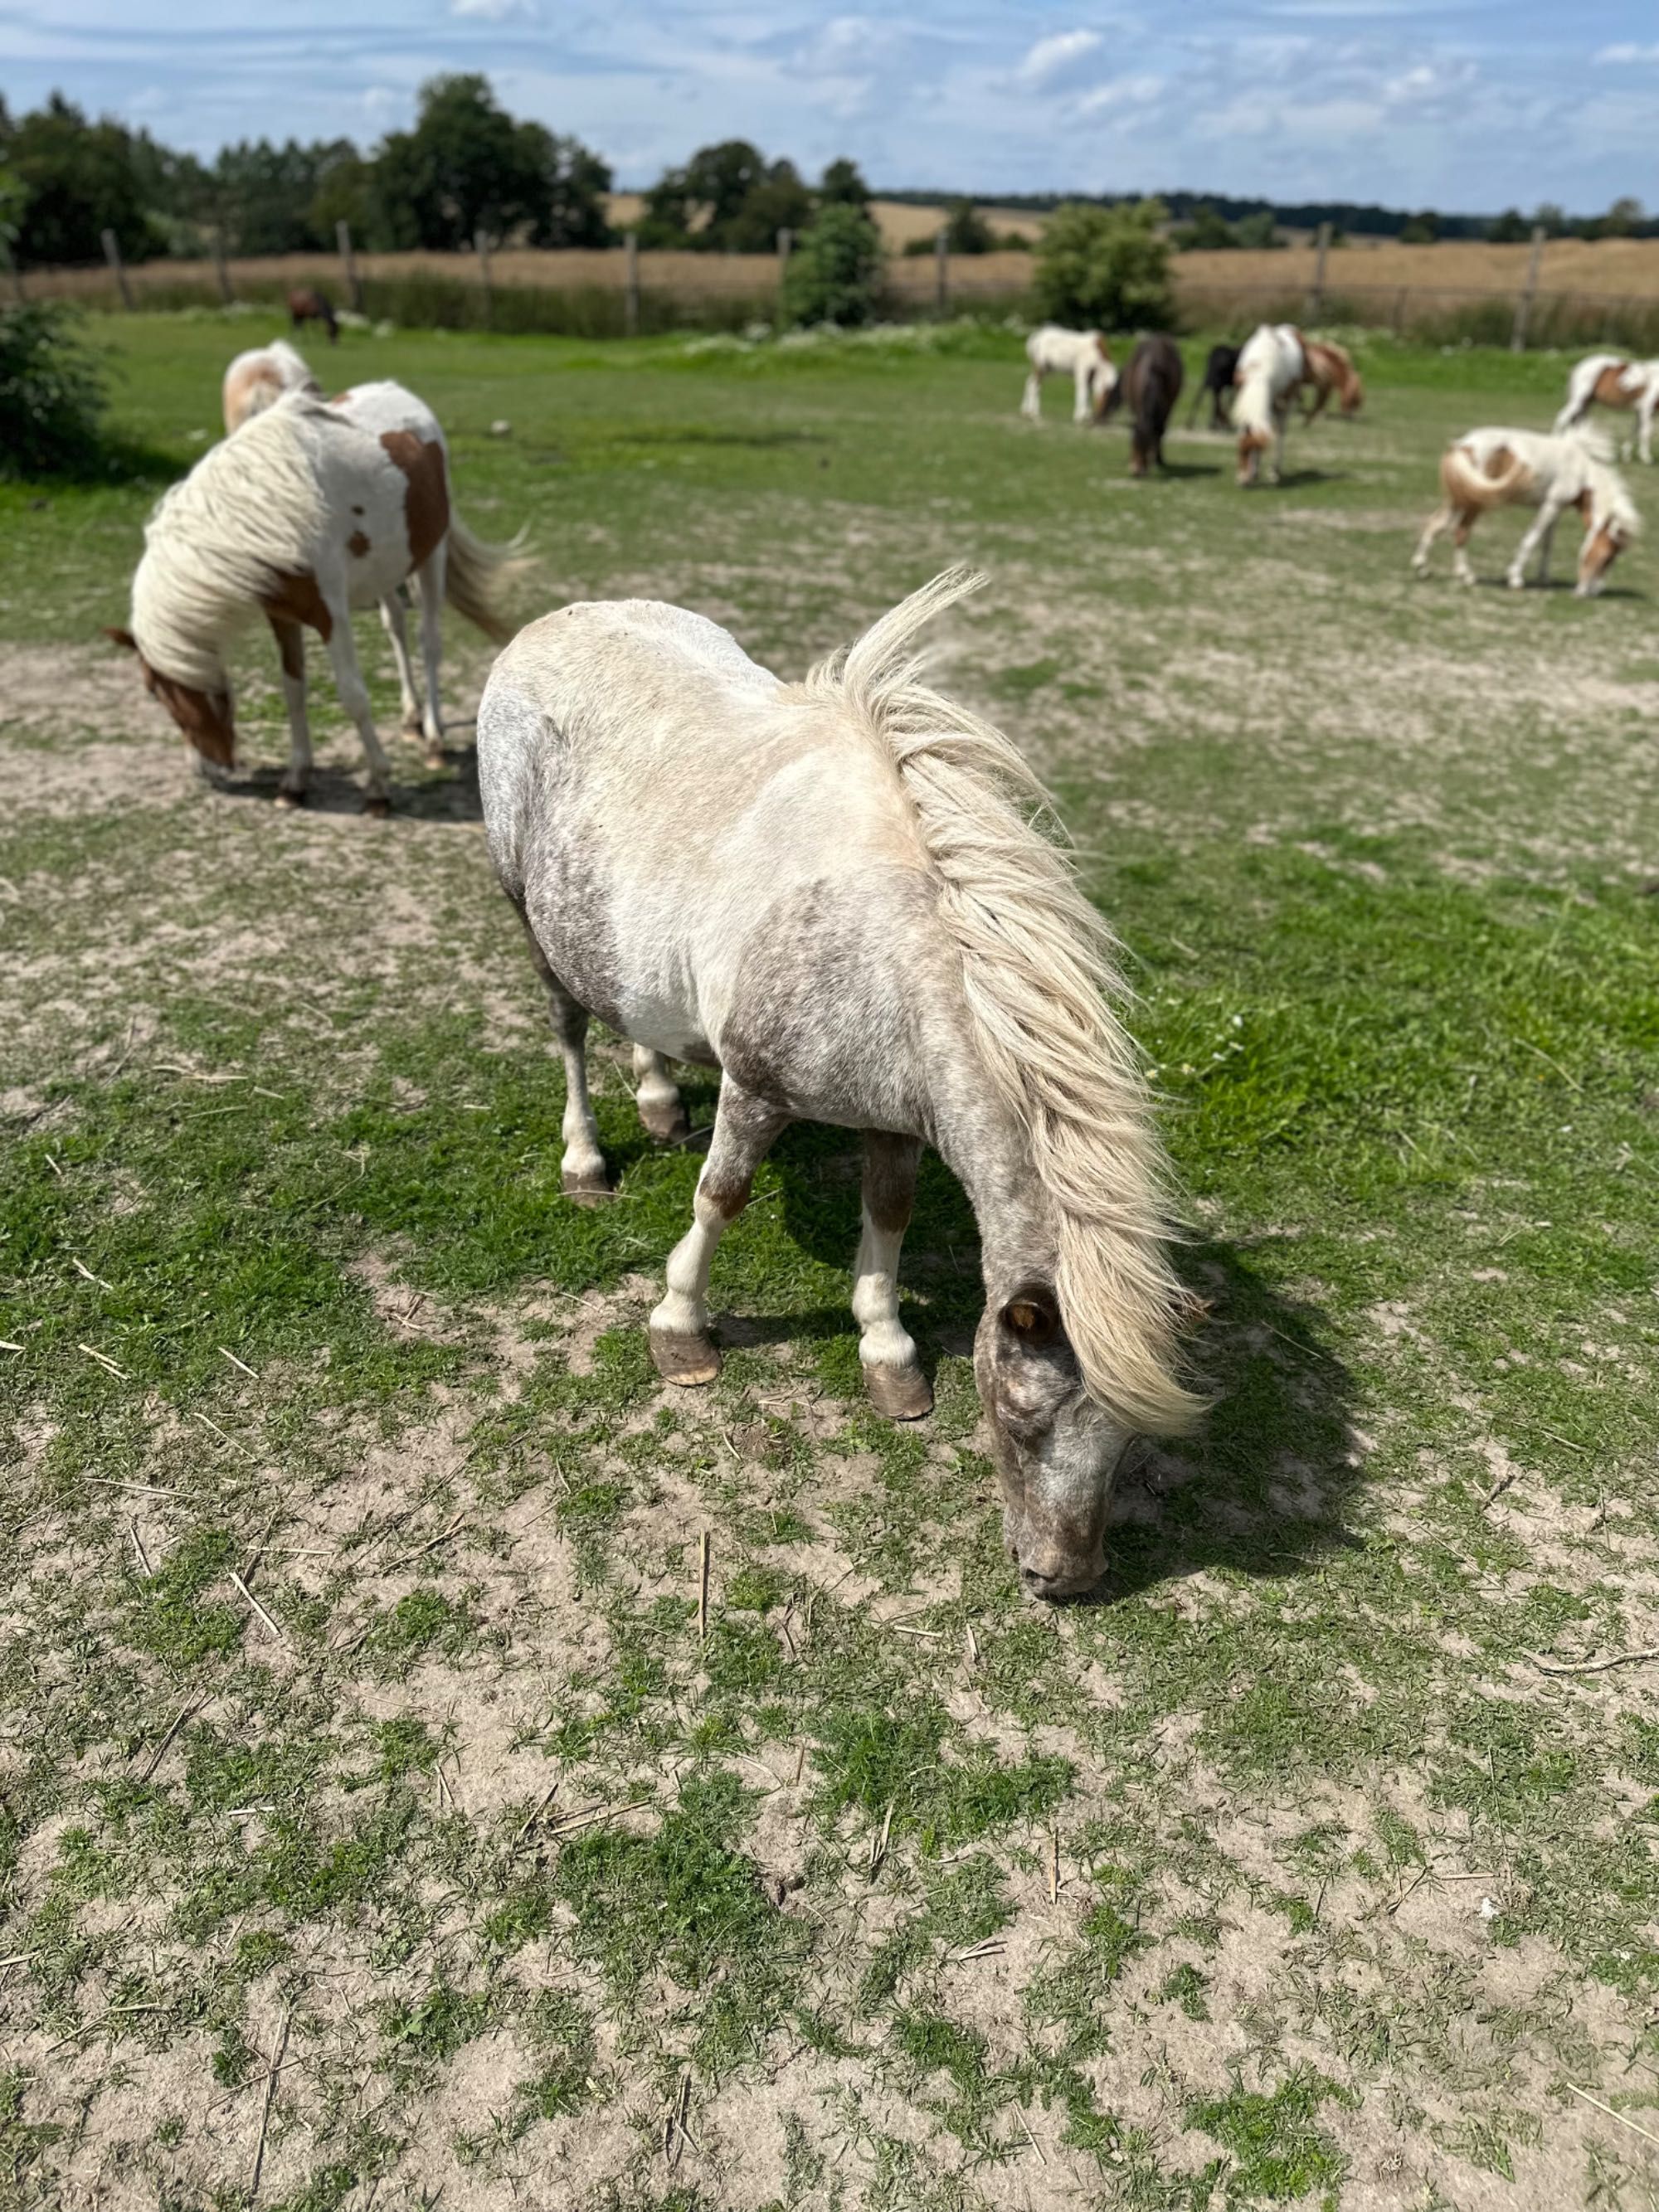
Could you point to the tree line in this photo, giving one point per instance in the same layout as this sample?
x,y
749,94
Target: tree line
x,y
464,165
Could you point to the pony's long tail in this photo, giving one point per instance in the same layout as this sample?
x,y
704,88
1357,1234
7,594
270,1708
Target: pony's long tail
x,y
1468,487
1039,971
477,578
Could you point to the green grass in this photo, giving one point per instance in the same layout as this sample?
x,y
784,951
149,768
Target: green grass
x,y
543,1880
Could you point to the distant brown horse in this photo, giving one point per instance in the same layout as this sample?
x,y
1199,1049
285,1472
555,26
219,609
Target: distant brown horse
x,y
1218,385
307,305
1330,369
1149,387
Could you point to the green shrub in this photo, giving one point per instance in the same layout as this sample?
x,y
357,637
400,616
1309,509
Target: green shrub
x,y
52,391
1105,268
834,274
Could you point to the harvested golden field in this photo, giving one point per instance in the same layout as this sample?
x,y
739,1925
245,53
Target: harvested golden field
x,y
1613,268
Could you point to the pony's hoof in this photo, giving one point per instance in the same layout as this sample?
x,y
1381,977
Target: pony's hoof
x,y
435,756
378,805
413,724
287,798
900,1392
668,1124
686,1361
591,1188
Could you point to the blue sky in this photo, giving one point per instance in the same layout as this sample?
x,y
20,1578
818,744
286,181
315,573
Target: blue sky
x,y
1470,106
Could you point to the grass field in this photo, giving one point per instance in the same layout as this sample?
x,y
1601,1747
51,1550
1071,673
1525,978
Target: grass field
x,y
377,1826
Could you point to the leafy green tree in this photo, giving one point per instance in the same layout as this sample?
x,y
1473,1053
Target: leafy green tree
x,y
1257,232
266,195
1205,231
692,205
1105,267
1550,219
1422,229
1509,228
79,179
468,167
966,230
834,273
842,184
779,202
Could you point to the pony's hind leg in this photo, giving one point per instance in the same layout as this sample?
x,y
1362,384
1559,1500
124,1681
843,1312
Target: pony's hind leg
x,y
1439,521
745,1127
296,777
392,621
662,1110
430,579
1030,405
893,1380
581,1170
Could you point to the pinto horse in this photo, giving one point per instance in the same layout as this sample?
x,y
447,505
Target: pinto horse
x,y
254,379
1149,387
1219,370
1510,468
306,304
1272,364
1330,370
1608,380
1080,355
833,892
308,511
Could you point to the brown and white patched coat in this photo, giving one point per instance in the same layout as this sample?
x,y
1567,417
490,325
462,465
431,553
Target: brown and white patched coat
x,y
1494,467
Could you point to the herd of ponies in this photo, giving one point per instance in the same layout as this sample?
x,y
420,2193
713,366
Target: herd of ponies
x,y
837,892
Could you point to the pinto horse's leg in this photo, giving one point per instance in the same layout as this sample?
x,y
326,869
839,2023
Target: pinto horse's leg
x,y
1538,538
662,1110
296,777
354,697
392,621
745,1127
893,1381
1030,404
429,577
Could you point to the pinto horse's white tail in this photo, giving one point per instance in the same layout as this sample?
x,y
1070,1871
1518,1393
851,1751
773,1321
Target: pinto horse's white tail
x,y
478,576
1040,970
1468,487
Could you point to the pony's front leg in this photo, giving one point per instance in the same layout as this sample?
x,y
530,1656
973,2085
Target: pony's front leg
x,y
354,697
392,621
745,1127
430,579
1538,537
1440,520
662,1110
1083,393
291,646
1031,404
893,1380
1645,409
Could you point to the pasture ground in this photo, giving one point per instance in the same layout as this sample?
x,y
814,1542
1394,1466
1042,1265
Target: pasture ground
x,y
377,1826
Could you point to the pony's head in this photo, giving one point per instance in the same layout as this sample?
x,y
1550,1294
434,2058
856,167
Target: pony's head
x,y
1353,392
1252,444
205,716
1610,523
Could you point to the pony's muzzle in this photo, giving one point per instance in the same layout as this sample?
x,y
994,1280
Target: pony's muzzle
x,y
1049,1569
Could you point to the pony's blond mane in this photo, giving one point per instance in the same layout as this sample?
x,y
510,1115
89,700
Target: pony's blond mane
x,y
1041,975
249,513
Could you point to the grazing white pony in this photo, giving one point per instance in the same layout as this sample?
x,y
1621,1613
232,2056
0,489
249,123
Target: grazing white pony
x,y
1607,379
1530,468
1080,355
1272,367
308,511
833,891
255,380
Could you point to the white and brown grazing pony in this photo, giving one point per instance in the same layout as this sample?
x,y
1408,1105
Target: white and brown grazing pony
x,y
1272,363
308,511
1080,355
1331,374
833,892
255,380
1607,380
1491,468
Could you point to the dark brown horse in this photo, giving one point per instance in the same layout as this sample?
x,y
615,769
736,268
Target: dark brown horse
x,y
307,305
1149,387
1218,382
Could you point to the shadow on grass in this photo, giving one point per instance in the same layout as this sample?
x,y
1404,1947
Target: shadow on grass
x,y
444,798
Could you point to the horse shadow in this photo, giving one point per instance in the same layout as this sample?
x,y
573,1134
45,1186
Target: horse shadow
x,y
453,797
1187,468
1262,1490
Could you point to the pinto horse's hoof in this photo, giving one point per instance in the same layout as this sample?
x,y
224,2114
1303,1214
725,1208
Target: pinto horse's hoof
x,y
668,1124
435,756
687,1361
287,798
378,805
900,1392
589,1190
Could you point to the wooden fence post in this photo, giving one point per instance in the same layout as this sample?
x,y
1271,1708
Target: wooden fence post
x,y
225,294
1523,305
942,273
112,255
631,285
785,247
481,241
349,264
1316,290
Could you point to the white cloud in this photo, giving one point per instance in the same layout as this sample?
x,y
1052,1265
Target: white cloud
x,y
493,11
1052,60
1120,92
1627,52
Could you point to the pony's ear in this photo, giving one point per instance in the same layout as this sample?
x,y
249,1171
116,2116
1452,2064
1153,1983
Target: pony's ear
x,y
124,638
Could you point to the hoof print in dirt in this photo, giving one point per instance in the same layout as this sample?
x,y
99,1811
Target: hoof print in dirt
x,y
900,1392
685,1360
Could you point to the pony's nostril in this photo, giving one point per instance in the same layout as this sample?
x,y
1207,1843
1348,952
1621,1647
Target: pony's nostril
x,y
1036,1582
